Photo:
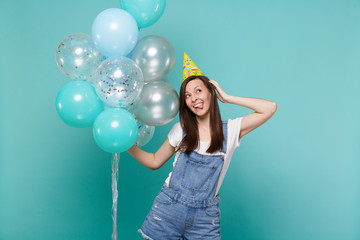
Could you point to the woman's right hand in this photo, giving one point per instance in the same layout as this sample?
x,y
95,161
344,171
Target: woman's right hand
x,y
153,161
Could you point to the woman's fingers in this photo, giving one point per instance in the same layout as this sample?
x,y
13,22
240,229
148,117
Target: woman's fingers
x,y
220,97
217,86
214,82
219,91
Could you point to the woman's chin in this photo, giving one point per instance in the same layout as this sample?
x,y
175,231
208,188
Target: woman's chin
x,y
200,113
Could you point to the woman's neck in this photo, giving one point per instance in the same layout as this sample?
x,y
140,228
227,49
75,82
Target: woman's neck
x,y
204,129
204,121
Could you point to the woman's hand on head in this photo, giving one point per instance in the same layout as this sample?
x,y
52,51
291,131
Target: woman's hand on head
x,y
220,93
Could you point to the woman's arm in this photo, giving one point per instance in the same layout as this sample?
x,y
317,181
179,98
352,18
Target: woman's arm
x,y
153,160
264,109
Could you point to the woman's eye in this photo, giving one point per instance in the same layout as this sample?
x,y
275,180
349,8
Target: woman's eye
x,y
187,95
198,90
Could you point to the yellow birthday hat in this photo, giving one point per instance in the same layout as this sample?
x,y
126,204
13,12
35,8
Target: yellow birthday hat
x,y
189,68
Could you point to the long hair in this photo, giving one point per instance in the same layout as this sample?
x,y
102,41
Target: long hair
x,y
189,123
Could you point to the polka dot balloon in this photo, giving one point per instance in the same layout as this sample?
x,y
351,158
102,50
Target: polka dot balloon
x,y
118,81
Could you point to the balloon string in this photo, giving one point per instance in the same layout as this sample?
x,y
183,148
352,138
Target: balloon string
x,y
115,177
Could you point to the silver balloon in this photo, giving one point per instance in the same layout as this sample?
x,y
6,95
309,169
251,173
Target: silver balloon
x,y
157,104
164,79
145,133
77,57
118,81
155,56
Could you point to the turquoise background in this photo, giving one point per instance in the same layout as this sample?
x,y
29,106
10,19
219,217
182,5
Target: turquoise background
x,y
294,178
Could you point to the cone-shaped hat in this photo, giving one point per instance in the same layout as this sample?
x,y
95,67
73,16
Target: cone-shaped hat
x,y
189,68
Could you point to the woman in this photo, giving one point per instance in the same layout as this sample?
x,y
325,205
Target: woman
x,y
188,203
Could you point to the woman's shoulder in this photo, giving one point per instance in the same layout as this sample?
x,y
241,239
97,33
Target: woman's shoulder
x,y
233,130
176,129
175,134
233,122
177,126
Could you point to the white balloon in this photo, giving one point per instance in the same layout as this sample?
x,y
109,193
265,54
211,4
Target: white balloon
x,y
145,133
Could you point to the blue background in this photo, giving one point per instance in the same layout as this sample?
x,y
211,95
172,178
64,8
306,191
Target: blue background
x,y
294,178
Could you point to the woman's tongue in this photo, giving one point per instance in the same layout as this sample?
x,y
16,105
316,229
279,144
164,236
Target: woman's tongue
x,y
199,106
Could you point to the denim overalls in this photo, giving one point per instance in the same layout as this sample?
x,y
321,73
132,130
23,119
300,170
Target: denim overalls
x,y
188,208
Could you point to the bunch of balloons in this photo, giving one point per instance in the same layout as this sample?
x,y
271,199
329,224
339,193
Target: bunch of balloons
x,y
120,83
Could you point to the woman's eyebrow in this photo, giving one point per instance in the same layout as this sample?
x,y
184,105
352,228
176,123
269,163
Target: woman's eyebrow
x,y
194,88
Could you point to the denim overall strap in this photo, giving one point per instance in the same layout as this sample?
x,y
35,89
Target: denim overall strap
x,y
223,149
194,178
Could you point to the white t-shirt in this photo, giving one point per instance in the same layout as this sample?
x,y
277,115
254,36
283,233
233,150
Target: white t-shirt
x,y
176,134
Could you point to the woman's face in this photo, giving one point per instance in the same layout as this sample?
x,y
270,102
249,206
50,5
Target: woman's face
x,y
197,97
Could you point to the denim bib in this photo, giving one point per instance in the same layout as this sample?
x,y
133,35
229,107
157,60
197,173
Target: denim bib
x,y
195,176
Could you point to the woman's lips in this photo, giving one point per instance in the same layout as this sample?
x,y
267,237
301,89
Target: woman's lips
x,y
199,106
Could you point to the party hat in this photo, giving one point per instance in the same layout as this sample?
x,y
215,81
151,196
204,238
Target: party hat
x,y
189,68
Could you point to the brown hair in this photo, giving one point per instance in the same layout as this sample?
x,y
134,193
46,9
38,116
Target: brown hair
x,y
189,123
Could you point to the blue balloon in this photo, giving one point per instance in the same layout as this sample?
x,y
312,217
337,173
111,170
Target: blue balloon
x,y
115,32
115,130
77,104
145,12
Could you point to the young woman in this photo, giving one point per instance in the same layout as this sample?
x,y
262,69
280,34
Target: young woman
x,y
188,203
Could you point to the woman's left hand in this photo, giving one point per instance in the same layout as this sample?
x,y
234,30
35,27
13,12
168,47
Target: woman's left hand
x,y
221,94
